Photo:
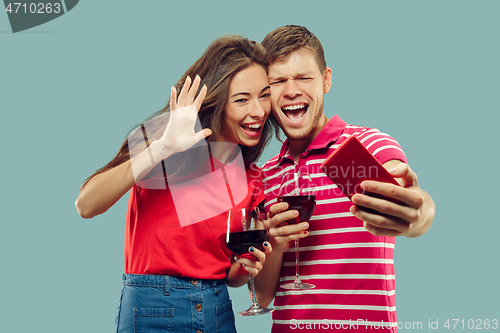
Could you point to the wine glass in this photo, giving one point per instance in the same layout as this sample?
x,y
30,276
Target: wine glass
x,y
245,228
297,190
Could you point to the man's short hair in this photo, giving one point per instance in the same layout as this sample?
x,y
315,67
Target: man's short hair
x,y
282,41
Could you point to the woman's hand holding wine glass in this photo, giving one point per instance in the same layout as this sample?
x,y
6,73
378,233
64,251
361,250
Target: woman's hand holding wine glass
x,y
247,238
252,261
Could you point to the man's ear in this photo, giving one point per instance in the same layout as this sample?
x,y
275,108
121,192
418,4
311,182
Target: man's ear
x,y
327,80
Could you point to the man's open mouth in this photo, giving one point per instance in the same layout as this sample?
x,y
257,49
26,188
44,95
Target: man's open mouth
x,y
295,112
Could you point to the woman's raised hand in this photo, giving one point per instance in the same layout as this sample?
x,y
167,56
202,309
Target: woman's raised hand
x,y
179,134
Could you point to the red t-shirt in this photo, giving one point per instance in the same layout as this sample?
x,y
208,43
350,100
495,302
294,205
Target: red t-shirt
x,y
181,230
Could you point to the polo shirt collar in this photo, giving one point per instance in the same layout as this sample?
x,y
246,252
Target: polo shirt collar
x,y
329,134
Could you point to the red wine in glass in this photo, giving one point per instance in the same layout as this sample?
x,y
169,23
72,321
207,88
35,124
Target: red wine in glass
x,y
245,229
240,241
297,189
304,204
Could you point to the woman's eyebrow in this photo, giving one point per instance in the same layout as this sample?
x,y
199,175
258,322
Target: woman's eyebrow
x,y
247,93
240,93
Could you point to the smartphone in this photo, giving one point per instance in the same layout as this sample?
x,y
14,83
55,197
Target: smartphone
x,y
350,164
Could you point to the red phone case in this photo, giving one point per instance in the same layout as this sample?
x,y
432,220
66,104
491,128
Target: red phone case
x,y
350,164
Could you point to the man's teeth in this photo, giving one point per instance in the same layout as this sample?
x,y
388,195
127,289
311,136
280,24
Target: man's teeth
x,y
294,107
295,112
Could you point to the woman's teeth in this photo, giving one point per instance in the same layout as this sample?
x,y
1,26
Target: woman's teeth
x,y
253,128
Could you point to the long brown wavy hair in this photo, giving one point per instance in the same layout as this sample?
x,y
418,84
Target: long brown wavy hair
x,y
223,58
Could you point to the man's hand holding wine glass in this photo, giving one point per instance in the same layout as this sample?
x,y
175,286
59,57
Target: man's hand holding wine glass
x,y
281,233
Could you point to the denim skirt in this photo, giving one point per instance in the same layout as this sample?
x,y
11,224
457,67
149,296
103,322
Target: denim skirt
x,y
162,303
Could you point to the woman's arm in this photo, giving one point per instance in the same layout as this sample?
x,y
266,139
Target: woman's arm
x,y
105,189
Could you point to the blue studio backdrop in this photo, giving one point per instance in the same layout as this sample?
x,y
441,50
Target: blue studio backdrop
x,y
72,86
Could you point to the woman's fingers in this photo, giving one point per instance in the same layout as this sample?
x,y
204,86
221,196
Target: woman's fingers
x,y
187,94
203,134
250,270
254,260
181,101
193,89
267,247
201,96
173,98
252,267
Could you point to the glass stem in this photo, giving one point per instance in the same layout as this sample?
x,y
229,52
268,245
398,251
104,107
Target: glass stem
x,y
297,280
254,297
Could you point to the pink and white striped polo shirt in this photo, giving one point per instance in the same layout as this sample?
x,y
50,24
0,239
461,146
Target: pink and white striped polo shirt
x,y
352,269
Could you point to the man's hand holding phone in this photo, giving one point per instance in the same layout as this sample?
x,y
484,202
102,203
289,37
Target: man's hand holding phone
x,y
411,216
387,198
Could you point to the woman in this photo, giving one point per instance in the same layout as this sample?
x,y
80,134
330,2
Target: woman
x,y
176,264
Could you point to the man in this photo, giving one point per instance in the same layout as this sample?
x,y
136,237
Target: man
x,y
348,251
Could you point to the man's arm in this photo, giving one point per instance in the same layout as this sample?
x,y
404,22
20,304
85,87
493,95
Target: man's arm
x,y
412,218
